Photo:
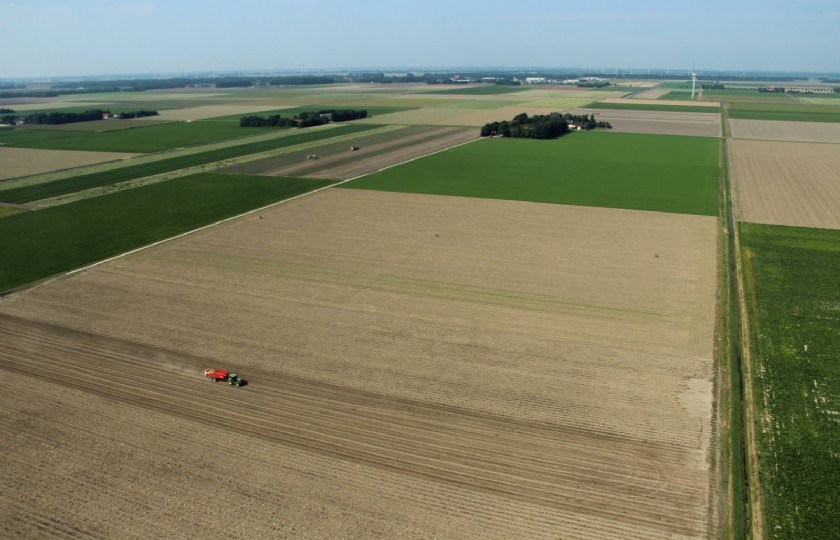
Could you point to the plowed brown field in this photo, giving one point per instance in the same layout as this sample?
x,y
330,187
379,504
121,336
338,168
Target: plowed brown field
x,y
778,130
17,162
659,122
786,183
419,366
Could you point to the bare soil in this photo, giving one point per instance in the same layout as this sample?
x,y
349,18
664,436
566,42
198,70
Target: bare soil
x,y
659,122
419,367
17,162
786,183
774,130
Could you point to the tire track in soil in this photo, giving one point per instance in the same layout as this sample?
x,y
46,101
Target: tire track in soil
x,y
526,461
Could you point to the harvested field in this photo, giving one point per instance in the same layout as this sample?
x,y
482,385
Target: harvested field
x,y
659,122
336,162
786,183
705,104
779,130
16,162
419,366
653,94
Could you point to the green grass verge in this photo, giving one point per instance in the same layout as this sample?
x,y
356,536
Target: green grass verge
x,y
794,301
488,89
799,112
619,170
39,244
630,106
64,186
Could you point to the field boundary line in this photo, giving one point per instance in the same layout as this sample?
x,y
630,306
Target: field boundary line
x,y
751,461
203,227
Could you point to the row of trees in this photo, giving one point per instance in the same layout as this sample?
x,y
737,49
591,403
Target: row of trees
x,y
6,111
549,126
56,118
137,114
304,119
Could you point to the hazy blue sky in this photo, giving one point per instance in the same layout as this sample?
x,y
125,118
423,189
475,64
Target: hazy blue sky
x,y
72,37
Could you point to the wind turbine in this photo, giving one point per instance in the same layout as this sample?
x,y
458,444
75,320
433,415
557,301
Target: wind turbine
x,y
693,80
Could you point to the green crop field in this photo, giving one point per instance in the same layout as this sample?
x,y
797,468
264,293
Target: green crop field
x,y
729,96
39,244
794,301
796,112
487,89
620,170
145,139
630,106
71,185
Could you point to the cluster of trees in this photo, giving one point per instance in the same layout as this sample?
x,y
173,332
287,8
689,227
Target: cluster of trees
x,y
6,111
137,114
304,119
593,84
713,86
549,126
8,119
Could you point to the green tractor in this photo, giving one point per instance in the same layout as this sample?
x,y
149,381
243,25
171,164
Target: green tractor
x,y
235,380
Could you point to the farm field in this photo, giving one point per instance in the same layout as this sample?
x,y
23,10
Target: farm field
x,y
16,162
779,130
335,161
633,105
658,122
793,300
141,139
445,368
39,244
43,190
620,170
786,183
793,113
654,93
675,104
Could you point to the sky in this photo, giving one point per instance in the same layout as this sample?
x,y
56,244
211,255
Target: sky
x,y
50,38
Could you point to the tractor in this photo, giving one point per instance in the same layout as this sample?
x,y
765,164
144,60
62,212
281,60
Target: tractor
x,y
223,375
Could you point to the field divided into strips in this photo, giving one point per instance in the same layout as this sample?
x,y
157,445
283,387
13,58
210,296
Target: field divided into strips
x,y
620,170
39,244
658,122
419,366
16,162
336,161
794,303
40,191
786,183
779,130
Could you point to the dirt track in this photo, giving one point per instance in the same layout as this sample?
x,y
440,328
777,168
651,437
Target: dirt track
x,y
421,374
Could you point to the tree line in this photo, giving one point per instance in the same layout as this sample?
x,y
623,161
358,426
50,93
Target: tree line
x,y
304,119
548,126
57,118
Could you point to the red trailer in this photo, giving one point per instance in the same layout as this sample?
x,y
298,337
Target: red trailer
x,y
216,375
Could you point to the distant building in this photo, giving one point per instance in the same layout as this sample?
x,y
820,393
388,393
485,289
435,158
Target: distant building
x,y
535,80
